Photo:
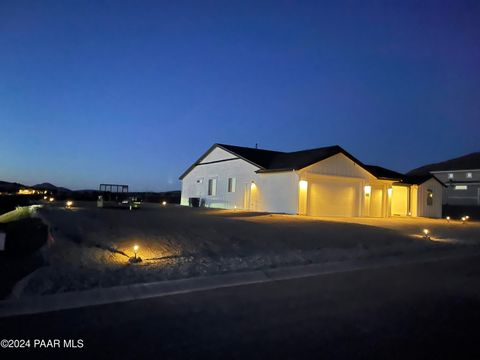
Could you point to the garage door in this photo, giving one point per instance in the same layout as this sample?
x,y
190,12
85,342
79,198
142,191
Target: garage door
x,y
400,200
333,198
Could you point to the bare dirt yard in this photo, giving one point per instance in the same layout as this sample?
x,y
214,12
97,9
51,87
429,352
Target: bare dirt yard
x,y
90,247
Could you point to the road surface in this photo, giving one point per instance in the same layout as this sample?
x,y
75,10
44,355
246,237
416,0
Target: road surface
x,y
416,311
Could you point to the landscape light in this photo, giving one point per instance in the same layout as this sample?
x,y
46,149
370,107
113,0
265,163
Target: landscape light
x,y
69,203
448,218
164,203
51,199
467,217
464,219
45,197
426,234
135,250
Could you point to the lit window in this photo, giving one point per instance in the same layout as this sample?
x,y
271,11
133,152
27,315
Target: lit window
x,y
429,197
450,175
232,182
469,175
212,187
461,187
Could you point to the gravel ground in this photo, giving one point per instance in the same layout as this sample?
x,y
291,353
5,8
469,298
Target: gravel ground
x,y
91,246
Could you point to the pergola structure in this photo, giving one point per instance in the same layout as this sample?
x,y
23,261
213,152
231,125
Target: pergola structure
x,y
113,192
113,188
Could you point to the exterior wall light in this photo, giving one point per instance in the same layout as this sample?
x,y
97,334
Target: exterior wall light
x,y
367,189
303,184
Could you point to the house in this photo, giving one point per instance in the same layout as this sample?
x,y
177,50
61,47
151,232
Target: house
x,y
461,177
327,181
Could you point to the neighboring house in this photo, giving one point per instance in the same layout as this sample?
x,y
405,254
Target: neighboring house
x,y
461,177
326,181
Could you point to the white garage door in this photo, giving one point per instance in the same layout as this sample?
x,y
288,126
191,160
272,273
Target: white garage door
x,y
333,198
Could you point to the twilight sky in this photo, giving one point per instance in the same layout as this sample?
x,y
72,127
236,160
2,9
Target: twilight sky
x,y
135,91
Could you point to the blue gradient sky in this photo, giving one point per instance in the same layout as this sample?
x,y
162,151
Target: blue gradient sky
x,y
133,92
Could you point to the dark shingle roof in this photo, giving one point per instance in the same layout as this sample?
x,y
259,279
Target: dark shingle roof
x,y
467,162
418,179
260,157
383,173
271,161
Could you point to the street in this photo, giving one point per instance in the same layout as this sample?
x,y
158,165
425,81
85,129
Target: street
x,y
425,310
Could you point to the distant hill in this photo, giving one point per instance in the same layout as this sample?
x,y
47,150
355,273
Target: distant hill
x,y
10,187
13,187
50,187
466,162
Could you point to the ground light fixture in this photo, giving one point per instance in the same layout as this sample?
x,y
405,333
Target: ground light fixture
x,y
448,218
135,258
464,219
164,203
51,199
426,234
69,204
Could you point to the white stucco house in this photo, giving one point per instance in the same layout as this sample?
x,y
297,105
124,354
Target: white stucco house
x,y
326,181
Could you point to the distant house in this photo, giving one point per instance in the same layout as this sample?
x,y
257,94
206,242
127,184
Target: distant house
x,y
327,181
461,177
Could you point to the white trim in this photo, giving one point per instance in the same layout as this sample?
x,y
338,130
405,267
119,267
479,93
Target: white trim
x,y
452,171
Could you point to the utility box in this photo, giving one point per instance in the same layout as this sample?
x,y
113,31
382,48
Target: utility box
x,y
2,241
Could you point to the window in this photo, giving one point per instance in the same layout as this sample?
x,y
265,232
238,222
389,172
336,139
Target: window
x,y
212,187
429,197
469,175
461,187
450,175
232,182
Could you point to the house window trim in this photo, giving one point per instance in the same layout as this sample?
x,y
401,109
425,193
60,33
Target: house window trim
x,y
231,184
213,190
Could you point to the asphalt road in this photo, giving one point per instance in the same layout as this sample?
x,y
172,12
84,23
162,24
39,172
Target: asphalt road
x,y
416,311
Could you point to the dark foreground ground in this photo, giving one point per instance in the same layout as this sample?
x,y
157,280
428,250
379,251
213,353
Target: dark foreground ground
x,y
420,311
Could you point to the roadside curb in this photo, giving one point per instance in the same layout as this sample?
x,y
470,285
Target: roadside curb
x,y
102,296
